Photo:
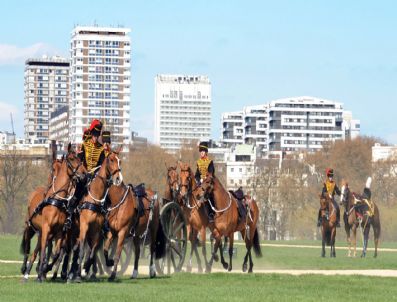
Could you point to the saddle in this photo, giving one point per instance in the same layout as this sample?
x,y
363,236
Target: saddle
x,y
242,208
140,193
363,205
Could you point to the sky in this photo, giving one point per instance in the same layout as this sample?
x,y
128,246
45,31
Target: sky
x,y
252,51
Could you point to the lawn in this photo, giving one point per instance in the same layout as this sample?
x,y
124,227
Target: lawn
x,y
219,286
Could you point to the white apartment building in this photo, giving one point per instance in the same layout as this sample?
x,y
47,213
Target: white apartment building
x,y
59,126
182,110
287,125
46,89
100,74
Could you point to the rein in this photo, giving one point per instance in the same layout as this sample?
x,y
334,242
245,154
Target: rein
x,y
224,209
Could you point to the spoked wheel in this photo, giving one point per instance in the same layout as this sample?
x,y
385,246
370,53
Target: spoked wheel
x,y
125,257
174,225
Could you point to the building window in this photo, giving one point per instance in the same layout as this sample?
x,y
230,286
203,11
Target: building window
x,y
231,169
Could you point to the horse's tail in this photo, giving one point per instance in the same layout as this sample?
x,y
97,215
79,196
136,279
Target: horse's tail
x,y
256,244
28,233
327,235
376,223
160,242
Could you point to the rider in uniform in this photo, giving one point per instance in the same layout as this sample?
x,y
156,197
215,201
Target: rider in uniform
x,y
331,189
91,155
205,165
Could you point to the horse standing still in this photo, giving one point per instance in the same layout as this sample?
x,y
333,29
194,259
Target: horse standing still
x,y
356,215
195,215
92,213
227,219
328,225
48,216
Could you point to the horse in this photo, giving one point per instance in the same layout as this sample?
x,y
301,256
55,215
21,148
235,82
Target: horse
x,y
92,213
227,220
124,217
358,214
328,225
172,185
195,216
47,212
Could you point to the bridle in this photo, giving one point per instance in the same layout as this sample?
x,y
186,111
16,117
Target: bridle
x,y
171,183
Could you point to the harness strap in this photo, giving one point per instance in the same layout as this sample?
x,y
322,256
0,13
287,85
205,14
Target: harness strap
x,y
92,207
60,204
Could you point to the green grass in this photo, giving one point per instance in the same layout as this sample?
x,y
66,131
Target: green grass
x,y
219,286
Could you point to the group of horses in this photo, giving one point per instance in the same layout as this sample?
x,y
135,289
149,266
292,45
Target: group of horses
x,y
357,214
47,215
191,196
129,211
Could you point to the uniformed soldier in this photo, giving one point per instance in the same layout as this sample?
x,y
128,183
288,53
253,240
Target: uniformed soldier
x,y
205,165
330,188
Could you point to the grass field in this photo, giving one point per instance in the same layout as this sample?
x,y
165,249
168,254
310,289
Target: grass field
x,y
219,286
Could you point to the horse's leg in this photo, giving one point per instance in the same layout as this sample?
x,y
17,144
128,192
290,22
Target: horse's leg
x,y
120,242
154,228
106,246
199,266
137,250
58,263
231,241
218,239
323,247
81,244
58,251
64,270
25,246
192,247
204,247
376,228
43,246
221,248
32,258
366,235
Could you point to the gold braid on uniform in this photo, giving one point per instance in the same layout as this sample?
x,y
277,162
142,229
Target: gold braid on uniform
x,y
202,165
92,153
330,185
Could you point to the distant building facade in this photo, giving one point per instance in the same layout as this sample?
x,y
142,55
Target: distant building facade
x,y
59,126
288,125
101,81
182,110
46,89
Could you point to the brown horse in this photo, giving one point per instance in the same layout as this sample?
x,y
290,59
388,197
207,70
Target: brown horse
x,y
227,219
328,227
91,210
48,216
172,185
356,215
123,216
195,215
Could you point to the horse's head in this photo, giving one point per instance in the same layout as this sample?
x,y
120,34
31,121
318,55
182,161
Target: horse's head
x,y
345,194
173,180
207,186
75,167
325,201
185,180
113,167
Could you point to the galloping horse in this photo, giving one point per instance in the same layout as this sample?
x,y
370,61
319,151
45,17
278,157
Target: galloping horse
x,y
123,216
48,216
92,212
195,216
227,219
328,227
357,214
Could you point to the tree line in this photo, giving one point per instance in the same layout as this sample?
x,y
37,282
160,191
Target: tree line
x,y
288,195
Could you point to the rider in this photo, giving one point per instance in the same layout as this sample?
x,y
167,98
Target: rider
x,y
331,189
205,165
239,194
367,196
92,155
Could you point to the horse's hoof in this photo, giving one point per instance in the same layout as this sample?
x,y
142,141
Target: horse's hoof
x,y
54,277
23,270
216,258
77,279
208,268
112,277
93,278
229,269
225,265
39,279
244,267
134,274
250,270
110,262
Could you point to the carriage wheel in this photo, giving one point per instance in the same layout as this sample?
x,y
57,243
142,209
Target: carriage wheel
x,y
125,257
174,226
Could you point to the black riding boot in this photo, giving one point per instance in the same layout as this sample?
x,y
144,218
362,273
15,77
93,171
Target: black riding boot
x,y
69,211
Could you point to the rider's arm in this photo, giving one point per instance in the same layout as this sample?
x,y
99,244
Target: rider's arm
x,y
81,154
337,191
101,158
197,176
211,168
